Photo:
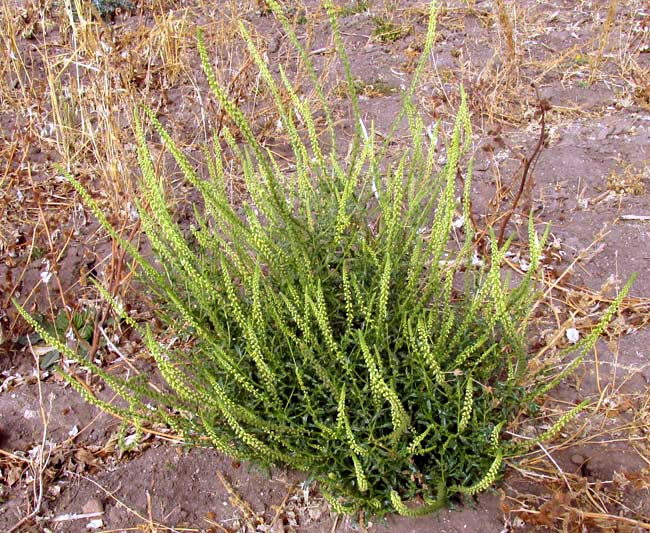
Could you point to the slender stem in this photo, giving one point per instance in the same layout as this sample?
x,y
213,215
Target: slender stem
x,y
528,161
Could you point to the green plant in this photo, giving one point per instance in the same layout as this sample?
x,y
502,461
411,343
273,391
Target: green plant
x,y
387,31
108,8
354,7
332,323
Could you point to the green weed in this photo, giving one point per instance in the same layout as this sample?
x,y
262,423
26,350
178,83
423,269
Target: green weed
x,y
330,323
387,31
353,8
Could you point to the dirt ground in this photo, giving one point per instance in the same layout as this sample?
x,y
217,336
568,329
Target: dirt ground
x,y
68,85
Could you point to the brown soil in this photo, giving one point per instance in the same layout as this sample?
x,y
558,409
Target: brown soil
x,y
66,94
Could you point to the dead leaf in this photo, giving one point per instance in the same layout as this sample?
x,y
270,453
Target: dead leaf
x,y
14,474
639,480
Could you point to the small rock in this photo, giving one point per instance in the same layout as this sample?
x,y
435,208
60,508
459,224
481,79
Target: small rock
x,y
572,335
278,527
315,513
94,505
95,524
577,459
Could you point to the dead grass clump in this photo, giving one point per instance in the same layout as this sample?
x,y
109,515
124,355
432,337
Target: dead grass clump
x,y
629,180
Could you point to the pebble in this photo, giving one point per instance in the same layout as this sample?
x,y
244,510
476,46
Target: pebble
x,y
577,459
278,527
94,505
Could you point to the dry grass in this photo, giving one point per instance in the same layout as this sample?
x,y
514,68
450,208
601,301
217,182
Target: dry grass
x,y
603,40
507,30
68,85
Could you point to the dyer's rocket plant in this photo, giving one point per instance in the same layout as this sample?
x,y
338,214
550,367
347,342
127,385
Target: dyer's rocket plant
x,y
337,326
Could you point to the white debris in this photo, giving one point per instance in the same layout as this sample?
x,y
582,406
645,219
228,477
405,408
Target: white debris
x,y
95,524
572,335
46,275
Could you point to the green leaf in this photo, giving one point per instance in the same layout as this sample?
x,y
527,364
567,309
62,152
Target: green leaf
x,y
50,359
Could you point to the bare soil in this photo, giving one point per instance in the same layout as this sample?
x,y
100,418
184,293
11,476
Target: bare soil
x,y
67,89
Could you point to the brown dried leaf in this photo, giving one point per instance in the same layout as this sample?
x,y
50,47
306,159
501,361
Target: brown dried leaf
x,y
85,459
639,480
14,474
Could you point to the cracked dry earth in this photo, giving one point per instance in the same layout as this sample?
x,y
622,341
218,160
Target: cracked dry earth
x,y
60,467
